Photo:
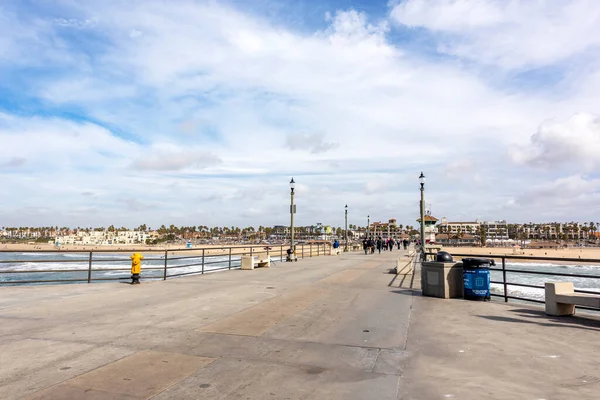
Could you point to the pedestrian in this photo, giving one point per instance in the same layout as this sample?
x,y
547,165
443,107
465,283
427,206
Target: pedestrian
x,y
365,245
379,244
391,244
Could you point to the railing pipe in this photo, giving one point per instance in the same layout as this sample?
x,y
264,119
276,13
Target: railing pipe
x,y
504,280
202,261
165,271
89,278
230,257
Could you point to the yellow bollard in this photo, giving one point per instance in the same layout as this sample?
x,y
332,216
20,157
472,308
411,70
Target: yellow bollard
x,y
136,267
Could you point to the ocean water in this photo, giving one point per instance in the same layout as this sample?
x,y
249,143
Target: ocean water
x,y
105,266
591,284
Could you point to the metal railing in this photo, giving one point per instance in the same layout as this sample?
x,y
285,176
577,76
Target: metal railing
x,y
95,265
506,283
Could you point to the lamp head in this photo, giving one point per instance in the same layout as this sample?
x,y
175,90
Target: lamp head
x,y
292,185
422,179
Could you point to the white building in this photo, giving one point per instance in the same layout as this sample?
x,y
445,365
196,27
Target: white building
x,y
496,230
452,228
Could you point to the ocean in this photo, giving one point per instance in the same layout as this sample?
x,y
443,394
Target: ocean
x,y
591,284
105,266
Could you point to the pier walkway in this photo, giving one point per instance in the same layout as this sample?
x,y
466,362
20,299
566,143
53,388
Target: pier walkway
x,y
336,327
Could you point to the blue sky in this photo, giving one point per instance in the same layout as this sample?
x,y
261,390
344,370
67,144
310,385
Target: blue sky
x,y
200,112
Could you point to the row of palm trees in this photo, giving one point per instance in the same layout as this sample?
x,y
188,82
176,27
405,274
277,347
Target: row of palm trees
x,y
552,231
202,231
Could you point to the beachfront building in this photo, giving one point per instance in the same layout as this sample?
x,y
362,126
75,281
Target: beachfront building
x,y
457,228
430,229
386,230
104,238
457,239
496,230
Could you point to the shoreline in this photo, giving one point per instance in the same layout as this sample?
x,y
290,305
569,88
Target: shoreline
x,y
569,253
208,249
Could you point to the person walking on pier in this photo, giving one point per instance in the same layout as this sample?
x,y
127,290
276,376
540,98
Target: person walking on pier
x,y
379,244
365,245
391,244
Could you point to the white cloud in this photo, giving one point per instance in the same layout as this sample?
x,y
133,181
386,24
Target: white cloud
x,y
509,33
564,199
217,102
313,142
166,157
574,143
58,144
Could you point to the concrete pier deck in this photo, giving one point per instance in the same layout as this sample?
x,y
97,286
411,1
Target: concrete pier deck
x,y
336,327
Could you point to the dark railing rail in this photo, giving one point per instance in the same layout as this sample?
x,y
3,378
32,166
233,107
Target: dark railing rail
x,y
506,283
168,265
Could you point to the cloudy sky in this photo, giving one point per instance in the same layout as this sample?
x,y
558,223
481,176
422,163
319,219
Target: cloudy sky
x,y
200,112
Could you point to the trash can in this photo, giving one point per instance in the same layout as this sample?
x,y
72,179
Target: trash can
x,y
476,276
443,256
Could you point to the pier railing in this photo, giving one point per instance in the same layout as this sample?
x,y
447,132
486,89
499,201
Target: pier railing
x,y
506,282
115,264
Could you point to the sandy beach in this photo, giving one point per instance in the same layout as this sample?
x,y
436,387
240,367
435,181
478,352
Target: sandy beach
x,y
583,253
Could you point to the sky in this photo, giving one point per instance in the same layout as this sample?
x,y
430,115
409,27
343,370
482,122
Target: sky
x,y
200,112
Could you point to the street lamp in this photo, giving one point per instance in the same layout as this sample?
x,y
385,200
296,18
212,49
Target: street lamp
x,y
368,225
422,182
346,231
292,212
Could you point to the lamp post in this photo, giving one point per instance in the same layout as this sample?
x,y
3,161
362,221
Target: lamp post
x,y
346,231
422,181
368,225
292,212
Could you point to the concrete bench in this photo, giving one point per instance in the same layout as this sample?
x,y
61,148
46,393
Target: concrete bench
x,y
561,299
251,262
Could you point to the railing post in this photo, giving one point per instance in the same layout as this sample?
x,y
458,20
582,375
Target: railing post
x,y
90,269
310,249
281,253
165,271
302,250
504,280
202,261
230,258
251,251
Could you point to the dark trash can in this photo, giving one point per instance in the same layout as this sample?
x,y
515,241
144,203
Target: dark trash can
x,y
476,276
443,256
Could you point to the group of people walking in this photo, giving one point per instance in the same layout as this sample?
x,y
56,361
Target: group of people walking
x,y
369,244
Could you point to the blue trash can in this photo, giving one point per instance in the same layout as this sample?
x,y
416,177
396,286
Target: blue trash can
x,y
476,276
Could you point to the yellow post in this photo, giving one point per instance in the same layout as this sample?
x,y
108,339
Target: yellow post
x,y
136,267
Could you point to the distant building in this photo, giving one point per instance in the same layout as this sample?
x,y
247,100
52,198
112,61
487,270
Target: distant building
x,y
496,230
458,227
429,229
462,240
